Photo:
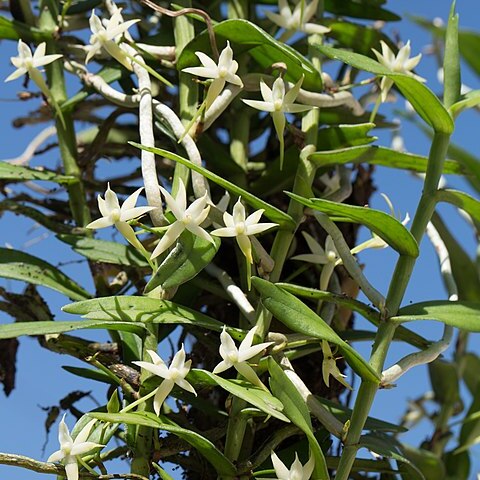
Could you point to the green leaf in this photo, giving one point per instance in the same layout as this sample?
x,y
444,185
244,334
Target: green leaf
x,y
470,372
205,447
299,318
113,405
423,100
451,61
444,381
461,200
18,173
253,395
264,49
401,333
274,214
27,268
355,9
457,465
427,462
384,225
463,315
189,257
375,155
104,251
470,163
18,329
469,100
146,310
296,409
470,431
333,138
14,30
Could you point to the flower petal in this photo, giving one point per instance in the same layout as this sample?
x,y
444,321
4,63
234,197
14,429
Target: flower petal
x,y
266,92
16,74
259,228
84,433
222,366
63,433
245,246
132,200
84,447
111,200
214,91
162,393
179,359
159,370
100,223
186,386
156,359
134,213
170,236
224,232
247,371
71,467
259,105
276,18
311,28
24,50
201,72
56,457
280,469
196,208
253,351
293,92
206,61
200,232
40,62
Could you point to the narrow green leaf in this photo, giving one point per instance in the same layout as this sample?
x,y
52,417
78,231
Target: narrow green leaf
x,y
386,157
461,200
401,333
333,138
469,100
384,225
146,310
423,100
451,61
27,268
299,318
18,329
470,372
352,8
274,214
464,315
205,447
257,397
14,30
296,409
104,251
265,50
189,257
18,173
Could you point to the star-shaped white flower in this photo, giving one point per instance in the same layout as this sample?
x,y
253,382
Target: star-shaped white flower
x,y
240,226
297,19
186,218
70,449
237,357
329,367
107,35
296,472
400,63
173,375
328,257
222,73
26,62
114,214
278,103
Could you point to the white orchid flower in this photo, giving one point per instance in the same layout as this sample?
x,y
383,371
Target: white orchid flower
x,y
400,63
186,218
329,367
70,449
173,375
107,36
237,357
114,214
296,472
328,257
240,226
298,18
278,103
221,73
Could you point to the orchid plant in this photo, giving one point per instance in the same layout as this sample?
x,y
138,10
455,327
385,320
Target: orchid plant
x,y
244,251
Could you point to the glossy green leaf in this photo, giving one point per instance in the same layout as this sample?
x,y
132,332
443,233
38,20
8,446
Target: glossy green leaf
x,y
457,465
355,9
146,310
246,36
469,100
461,200
205,447
27,268
104,251
444,381
464,270
384,225
423,100
253,395
17,173
367,312
293,313
14,30
113,405
342,136
82,6
296,410
375,155
387,446
451,61
189,257
274,214
427,462
18,329
464,315
470,372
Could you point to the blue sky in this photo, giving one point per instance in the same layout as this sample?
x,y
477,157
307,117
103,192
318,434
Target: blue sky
x,y
40,380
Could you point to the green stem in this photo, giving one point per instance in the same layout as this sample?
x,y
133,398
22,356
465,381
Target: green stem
x,y
65,129
398,285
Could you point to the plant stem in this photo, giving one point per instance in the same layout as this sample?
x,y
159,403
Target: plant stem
x,y
398,286
65,129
